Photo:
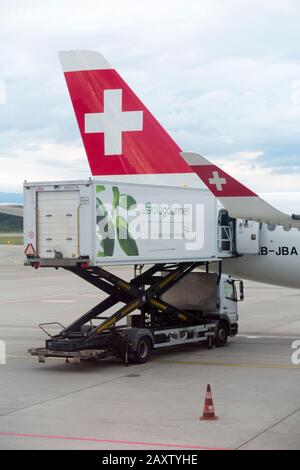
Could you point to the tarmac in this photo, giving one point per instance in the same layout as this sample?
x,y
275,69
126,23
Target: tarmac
x,y
157,405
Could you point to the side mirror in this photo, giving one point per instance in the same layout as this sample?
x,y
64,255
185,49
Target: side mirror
x,y
241,286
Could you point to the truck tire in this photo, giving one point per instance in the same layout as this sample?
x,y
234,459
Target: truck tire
x,y
143,350
221,334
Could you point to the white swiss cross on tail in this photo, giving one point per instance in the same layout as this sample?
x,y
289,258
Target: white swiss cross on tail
x,y
113,121
217,181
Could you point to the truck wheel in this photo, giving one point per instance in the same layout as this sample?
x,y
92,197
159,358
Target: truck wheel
x,y
221,334
143,350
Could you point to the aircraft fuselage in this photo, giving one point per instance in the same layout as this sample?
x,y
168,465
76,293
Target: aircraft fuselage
x,y
278,261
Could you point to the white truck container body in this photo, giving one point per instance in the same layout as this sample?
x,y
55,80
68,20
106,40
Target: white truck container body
x,y
104,223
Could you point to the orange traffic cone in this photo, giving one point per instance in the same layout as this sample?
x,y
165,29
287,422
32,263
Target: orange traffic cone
x,y
208,411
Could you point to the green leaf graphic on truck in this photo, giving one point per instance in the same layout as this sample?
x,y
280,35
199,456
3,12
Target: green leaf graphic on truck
x,y
112,227
127,243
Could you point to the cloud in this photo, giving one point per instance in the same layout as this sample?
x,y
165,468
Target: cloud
x,y
249,168
2,92
222,77
45,162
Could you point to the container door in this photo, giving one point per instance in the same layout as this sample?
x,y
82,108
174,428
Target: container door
x,y
57,224
247,237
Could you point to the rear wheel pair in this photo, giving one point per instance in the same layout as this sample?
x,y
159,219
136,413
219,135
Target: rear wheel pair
x,y
143,350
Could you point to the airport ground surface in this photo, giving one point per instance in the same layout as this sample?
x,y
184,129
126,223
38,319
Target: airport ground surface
x,y
156,405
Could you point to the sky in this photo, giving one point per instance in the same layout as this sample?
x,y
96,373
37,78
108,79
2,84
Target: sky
x,y
223,77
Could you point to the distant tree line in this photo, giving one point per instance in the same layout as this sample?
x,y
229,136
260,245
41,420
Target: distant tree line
x,y
11,224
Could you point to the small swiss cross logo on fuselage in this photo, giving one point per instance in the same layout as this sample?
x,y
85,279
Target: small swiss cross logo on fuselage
x,y
113,122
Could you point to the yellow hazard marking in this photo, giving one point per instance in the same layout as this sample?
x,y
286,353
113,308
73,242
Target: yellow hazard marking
x,y
125,285
167,279
130,308
228,364
182,316
158,304
106,325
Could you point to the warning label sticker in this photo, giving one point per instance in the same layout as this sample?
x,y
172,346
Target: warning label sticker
x,y
29,250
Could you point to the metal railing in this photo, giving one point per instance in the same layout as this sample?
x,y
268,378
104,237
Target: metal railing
x,y
225,239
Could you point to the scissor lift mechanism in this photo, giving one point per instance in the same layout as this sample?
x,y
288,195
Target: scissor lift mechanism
x,y
162,323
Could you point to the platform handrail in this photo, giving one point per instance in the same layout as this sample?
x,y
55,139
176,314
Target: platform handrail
x,y
50,323
225,236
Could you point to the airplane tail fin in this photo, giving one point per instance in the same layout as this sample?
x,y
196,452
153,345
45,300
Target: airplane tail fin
x,y
120,135
240,201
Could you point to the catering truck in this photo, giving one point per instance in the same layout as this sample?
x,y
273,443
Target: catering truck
x,y
167,234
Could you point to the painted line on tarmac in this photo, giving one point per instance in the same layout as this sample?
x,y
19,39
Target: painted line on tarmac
x,y
32,299
268,428
195,363
250,336
109,441
9,356
266,337
228,364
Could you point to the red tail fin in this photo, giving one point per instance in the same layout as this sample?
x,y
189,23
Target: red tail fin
x,y
120,135
218,182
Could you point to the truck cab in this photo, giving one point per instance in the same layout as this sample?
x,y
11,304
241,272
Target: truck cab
x,y
212,298
230,292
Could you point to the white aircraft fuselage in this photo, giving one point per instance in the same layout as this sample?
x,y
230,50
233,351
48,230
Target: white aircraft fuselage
x,y
278,261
